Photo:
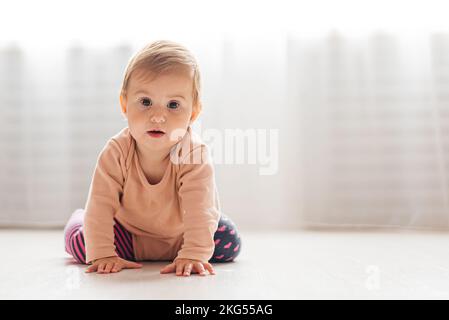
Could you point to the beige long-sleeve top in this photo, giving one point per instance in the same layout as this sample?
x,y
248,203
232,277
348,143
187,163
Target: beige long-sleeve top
x,y
176,218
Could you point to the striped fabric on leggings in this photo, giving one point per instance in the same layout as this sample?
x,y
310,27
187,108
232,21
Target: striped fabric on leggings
x,y
75,245
227,240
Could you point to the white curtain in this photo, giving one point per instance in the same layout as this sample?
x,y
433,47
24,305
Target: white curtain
x,y
372,129
361,121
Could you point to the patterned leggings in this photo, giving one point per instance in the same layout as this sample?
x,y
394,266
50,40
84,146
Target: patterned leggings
x,y
227,240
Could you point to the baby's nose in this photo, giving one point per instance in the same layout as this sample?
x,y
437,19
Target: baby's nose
x,y
158,118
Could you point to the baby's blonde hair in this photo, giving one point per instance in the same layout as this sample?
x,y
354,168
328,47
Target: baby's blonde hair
x,y
163,55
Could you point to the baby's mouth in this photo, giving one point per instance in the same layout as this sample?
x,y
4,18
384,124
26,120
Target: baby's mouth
x,y
155,133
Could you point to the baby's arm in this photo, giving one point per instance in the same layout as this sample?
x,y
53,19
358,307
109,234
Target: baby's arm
x,y
102,203
197,200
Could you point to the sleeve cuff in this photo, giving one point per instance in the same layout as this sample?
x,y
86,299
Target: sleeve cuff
x,y
98,254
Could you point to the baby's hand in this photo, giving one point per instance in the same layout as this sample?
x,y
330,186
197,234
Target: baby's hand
x,y
112,264
184,267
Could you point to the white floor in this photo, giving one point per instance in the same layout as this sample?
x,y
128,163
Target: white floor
x,y
277,265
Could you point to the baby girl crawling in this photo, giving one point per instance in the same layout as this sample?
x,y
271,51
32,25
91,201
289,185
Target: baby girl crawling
x,y
153,194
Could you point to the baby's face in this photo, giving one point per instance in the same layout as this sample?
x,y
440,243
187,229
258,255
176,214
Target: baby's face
x,y
159,103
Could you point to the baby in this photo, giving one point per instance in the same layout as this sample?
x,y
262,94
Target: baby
x,y
153,194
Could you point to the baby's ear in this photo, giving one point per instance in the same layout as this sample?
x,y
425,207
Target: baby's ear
x,y
195,113
123,105
192,118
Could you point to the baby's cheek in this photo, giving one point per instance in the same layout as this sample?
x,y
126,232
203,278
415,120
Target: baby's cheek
x,y
176,134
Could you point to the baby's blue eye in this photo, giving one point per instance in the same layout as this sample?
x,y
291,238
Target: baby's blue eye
x,y
146,102
173,105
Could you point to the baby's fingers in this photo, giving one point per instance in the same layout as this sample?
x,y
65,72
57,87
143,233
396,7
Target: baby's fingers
x,y
116,268
209,268
179,269
91,268
132,265
200,269
168,268
187,269
108,267
101,267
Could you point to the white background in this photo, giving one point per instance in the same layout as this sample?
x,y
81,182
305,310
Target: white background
x,y
357,89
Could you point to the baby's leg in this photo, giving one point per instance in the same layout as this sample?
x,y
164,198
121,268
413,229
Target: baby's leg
x,y
227,241
74,239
